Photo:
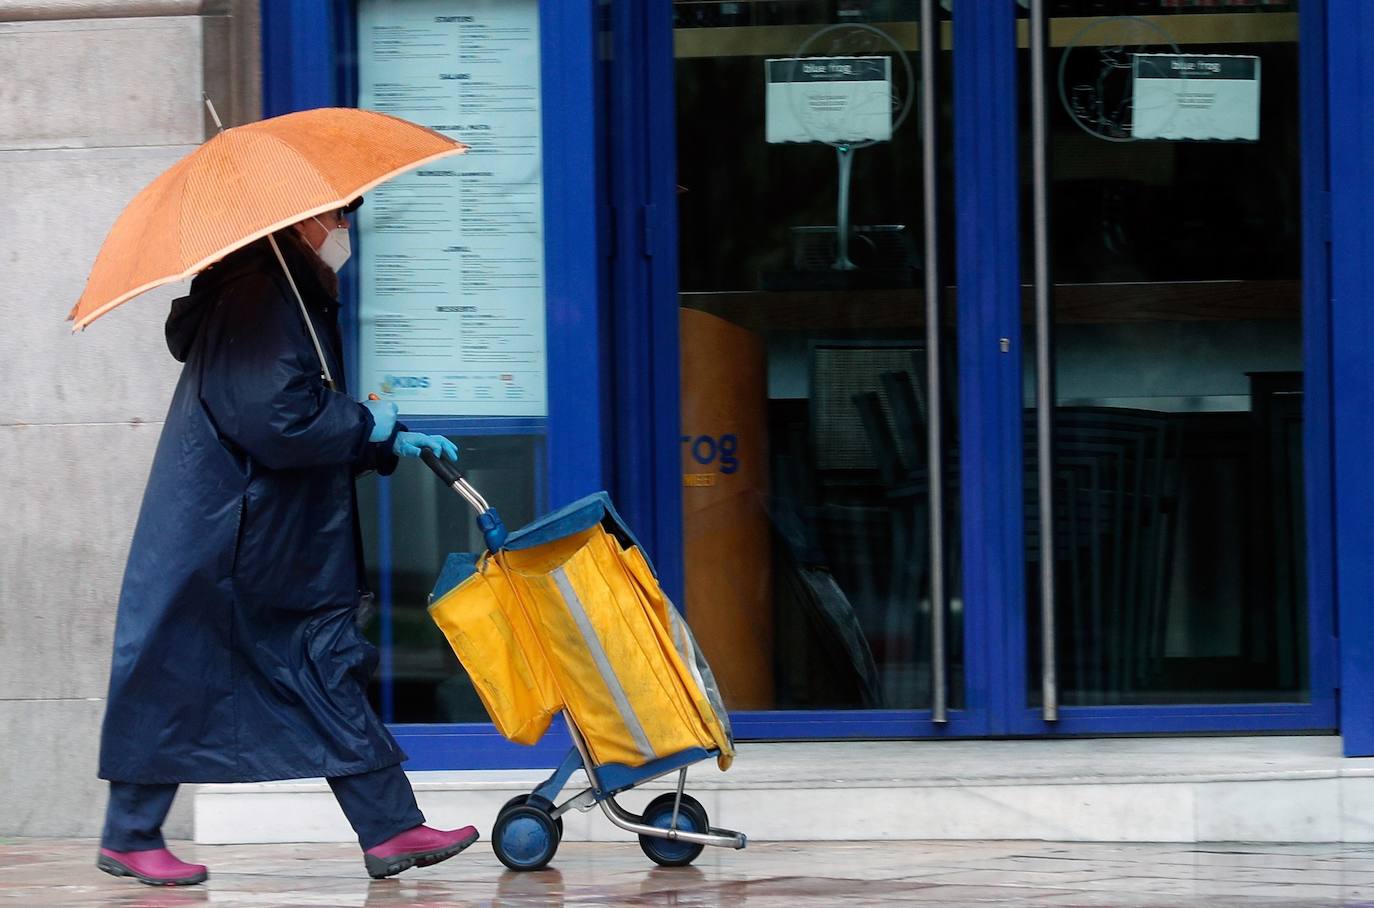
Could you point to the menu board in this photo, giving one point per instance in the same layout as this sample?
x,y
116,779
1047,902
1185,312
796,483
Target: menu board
x,y
451,256
828,99
1188,96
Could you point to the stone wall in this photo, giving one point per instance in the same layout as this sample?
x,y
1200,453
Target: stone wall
x,y
96,99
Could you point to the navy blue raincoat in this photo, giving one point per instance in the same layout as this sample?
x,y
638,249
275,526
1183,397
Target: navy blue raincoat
x,y
236,653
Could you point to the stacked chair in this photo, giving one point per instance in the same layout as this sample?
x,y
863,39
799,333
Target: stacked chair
x,y
1116,475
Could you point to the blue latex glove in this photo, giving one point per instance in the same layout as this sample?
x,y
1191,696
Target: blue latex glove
x,y
410,444
383,419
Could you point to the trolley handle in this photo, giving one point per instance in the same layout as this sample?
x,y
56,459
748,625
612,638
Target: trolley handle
x,y
445,470
488,521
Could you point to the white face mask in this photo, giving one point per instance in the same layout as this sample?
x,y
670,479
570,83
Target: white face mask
x,y
336,248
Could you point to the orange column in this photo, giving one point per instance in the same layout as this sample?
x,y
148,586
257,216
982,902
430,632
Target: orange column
x,y
726,532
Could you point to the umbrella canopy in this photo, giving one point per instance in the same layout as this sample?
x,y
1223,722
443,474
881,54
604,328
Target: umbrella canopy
x,y
244,184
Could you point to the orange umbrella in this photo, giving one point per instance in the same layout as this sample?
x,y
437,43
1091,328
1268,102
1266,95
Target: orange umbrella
x,y
244,184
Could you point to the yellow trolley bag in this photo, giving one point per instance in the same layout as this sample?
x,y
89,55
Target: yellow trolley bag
x,y
566,615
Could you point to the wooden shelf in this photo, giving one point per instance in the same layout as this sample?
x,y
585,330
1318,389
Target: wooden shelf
x,y
1208,29
779,40
1212,28
873,310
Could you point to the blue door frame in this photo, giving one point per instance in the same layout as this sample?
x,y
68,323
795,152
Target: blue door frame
x,y
1344,264
1316,34
988,274
991,393
611,250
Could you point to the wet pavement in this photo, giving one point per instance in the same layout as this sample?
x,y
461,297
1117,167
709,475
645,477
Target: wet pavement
x,y
37,872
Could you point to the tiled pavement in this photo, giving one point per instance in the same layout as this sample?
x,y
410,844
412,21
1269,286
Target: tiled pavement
x,y
40,873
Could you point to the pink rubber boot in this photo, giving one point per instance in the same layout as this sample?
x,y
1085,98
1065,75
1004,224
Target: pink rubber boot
x,y
157,867
417,847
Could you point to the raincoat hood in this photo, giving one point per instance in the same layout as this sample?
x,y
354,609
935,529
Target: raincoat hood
x,y
183,324
188,312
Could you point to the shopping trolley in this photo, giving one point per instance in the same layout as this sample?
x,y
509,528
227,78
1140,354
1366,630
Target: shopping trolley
x,y
566,616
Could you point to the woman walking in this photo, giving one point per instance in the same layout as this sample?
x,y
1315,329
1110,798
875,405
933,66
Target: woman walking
x,y
237,656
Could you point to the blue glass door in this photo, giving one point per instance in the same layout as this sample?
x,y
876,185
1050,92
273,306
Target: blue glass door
x,y
819,451
1163,418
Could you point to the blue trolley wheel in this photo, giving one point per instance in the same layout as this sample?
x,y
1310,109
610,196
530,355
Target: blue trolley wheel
x,y
525,837
534,800
691,817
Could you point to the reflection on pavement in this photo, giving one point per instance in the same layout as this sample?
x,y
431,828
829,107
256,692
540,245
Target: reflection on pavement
x,y
44,873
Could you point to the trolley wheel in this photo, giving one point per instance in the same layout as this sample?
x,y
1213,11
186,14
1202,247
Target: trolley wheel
x,y
534,800
691,817
525,837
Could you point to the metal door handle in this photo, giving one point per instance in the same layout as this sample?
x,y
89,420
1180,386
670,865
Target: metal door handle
x,y
930,47
1044,366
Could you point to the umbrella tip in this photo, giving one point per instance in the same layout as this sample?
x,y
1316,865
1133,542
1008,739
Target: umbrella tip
x,y
214,115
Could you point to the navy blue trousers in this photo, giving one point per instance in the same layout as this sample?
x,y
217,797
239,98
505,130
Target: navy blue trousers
x,y
378,804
